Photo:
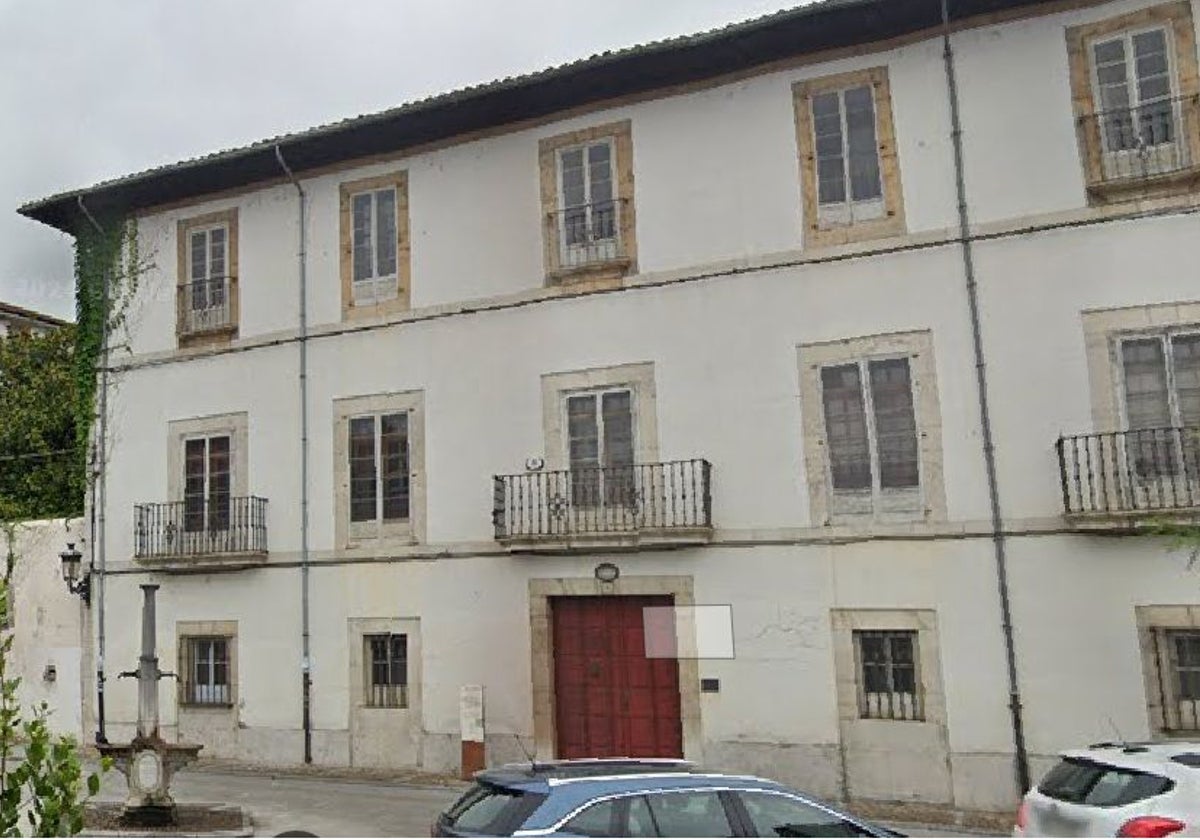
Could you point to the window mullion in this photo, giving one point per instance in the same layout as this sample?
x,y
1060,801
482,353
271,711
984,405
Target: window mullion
x,y
869,419
377,467
848,196
1173,408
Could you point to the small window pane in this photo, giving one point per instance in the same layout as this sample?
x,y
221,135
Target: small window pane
x,y
1109,51
364,268
862,149
362,469
394,446
385,208
199,252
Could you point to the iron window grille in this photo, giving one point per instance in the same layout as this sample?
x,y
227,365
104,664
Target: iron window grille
x,y
206,672
205,305
889,684
386,658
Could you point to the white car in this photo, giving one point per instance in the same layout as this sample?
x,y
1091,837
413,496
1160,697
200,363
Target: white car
x,y
1117,790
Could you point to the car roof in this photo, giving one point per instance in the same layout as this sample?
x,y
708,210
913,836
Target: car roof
x,y
1171,757
541,776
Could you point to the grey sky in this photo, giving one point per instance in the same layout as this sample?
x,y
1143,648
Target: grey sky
x,y
92,90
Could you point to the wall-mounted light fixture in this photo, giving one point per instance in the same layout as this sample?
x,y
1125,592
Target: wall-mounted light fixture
x,y
76,584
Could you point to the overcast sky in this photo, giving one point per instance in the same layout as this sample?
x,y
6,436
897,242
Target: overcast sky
x,y
93,90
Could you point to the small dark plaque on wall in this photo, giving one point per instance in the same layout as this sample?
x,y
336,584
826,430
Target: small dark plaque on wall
x,y
710,685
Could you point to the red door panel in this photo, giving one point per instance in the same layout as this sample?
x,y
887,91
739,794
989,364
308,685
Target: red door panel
x,y
610,700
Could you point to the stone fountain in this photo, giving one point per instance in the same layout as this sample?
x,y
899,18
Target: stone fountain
x,y
148,762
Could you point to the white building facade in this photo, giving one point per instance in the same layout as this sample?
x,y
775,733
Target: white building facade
x,y
717,333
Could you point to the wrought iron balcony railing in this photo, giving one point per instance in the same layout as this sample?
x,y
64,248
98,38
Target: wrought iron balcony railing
x,y
587,234
200,527
1142,141
207,305
1132,472
664,497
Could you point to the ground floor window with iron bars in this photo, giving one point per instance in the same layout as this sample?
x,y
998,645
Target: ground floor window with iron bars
x,y
1179,678
206,672
889,685
386,658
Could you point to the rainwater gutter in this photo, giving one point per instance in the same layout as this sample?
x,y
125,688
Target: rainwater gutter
x,y
1021,763
98,484
305,660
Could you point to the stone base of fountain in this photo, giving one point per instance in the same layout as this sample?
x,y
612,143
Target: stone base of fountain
x,y
148,765
108,819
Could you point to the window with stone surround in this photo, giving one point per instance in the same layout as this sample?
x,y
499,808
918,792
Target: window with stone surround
x,y
589,229
1136,96
375,245
1169,637
207,669
379,468
872,429
849,170
207,282
888,684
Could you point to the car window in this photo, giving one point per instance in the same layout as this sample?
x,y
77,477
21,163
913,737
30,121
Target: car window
x,y
487,809
1090,783
640,822
595,820
689,813
778,815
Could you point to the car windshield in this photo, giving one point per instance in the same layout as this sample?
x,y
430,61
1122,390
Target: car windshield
x,y
490,809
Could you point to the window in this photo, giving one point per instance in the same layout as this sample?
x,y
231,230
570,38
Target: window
x,y
588,214
850,174
379,478
777,815
207,293
600,447
587,197
206,483
207,673
849,188
1179,657
889,687
1135,121
374,247
1088,783
378,469
599,820
386,657
1161,387
871,431
691,813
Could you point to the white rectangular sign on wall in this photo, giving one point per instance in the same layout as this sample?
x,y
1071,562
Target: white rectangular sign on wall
x,y
470,712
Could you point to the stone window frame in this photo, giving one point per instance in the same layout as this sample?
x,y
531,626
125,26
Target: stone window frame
x,y
892,223
848,670
917,346
1103,331
184,227
1153,622
620,134
542,590
406,532
184,632
359,628
403,300
1176,19
236,425
638,377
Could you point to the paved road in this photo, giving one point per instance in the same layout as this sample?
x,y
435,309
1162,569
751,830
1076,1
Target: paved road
x,y
334,807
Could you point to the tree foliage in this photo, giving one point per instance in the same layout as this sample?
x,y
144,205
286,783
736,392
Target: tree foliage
x,y
41,462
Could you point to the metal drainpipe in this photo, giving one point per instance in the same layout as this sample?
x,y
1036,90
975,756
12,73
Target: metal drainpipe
x,y
99,495
305,664
989,452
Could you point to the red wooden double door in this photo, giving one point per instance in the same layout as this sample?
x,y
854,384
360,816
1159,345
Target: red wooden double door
x,y
610,699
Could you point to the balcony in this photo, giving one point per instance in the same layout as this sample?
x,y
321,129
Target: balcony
x,y
1145,147
1128,479
631,507
207,307
201,533
588,238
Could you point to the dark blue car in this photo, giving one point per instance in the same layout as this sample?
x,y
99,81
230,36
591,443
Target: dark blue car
x,y
639,798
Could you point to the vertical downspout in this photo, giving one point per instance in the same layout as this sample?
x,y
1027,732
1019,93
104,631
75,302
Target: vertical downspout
x,y
305,663
99,495
989,452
